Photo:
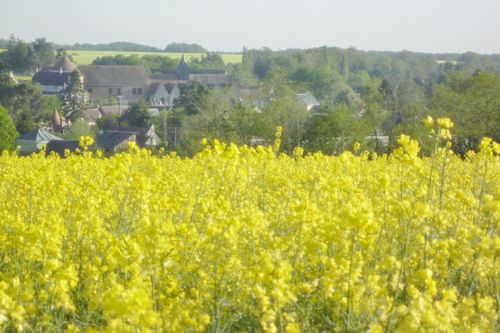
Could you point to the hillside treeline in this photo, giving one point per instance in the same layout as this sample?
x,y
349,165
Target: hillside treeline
x,y
365,94
365,97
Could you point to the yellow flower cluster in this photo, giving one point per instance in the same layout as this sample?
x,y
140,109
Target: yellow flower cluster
x,y
241,239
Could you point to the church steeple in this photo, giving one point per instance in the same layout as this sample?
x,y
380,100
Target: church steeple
x,y
183,69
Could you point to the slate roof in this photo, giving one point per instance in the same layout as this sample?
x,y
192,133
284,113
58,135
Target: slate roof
x,y
307,99
211,79
51,78
109,140
96,113
169,86
113,74
165,76
207,71
59,146
122,133
39,135
92,114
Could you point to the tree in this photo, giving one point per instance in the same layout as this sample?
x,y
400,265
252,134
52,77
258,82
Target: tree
x,y
185,48
262,64
25,123
138,114
78,128
118,59
107,122
25,97
317,80
150,62
19,55
8,133
284,110
190,97
243,72
472,102
333,129
212,60
43,53
74,97
247,123
213,115
211,121
115,46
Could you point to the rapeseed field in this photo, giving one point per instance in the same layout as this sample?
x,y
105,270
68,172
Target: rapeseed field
x,y
240,239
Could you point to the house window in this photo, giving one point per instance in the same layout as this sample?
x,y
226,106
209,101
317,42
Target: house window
x,y
89,90
110,91
134,91
139,91
119,91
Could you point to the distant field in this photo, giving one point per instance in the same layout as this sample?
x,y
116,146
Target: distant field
x,y
23,77
442,62
86,57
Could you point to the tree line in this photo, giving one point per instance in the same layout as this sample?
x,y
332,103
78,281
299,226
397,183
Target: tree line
x,y
159,63
21,56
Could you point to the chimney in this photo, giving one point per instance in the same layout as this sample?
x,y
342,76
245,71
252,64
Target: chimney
x,y
60,70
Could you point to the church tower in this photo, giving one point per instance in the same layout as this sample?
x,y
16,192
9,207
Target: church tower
x,y
183,69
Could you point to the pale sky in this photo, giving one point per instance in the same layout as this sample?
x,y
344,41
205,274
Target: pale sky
x,y
228,25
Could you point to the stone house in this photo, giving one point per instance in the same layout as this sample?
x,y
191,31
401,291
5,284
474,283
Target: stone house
x,y
129,83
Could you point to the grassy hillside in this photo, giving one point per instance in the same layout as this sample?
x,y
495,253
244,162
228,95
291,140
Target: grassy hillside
x,y
86,57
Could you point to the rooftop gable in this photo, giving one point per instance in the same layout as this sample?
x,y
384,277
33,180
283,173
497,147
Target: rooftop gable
x,y
53,78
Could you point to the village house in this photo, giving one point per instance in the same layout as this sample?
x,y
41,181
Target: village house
x,y
128,83
117,139
33,142
92,115
113,142
162,95
55,79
